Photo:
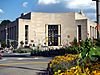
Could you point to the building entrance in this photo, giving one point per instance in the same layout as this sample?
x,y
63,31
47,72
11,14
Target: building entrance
x,y
53,35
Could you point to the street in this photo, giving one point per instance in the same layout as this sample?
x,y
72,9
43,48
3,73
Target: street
x,y
24,65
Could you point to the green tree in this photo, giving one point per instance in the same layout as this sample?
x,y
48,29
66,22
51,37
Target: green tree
x,y
5,22
3,44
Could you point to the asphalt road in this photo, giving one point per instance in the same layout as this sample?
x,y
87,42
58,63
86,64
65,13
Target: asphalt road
x,y
24,65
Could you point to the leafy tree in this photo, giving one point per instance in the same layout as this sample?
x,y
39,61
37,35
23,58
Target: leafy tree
x,y
3,44
5,22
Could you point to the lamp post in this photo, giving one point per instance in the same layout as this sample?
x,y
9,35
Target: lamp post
x,y
6,35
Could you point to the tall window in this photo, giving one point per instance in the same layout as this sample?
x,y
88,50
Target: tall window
x,y
79,32
53,35
26,34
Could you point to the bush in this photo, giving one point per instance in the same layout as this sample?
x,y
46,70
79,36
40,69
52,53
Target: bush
x,y
75,48
57,52
49,53
22,50
3,44
97,42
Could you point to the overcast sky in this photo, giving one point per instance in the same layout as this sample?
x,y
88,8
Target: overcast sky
x,y
11,9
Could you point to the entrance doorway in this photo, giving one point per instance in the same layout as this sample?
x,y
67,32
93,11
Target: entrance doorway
x,y
53,35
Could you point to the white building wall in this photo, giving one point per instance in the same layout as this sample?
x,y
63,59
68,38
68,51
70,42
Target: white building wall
x,y
66,20
21,24
92,31
38,26
83,24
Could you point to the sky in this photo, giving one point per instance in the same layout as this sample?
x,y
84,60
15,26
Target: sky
x,y
12,9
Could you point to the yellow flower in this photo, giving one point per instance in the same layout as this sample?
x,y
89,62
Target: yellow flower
x,y
84,74
59,71
94,71
73,68
77,67
75,71
50,65
87,69
61,74
56,73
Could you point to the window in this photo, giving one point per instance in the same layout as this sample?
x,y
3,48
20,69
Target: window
x,y
79,32
53,35
26,34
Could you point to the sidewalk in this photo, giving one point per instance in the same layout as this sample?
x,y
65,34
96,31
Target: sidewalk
x,y
16,54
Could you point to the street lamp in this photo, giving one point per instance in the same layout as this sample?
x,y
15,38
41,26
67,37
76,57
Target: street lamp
x,y
6,35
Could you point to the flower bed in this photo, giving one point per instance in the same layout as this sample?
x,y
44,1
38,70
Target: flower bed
x,y
61,63
67,65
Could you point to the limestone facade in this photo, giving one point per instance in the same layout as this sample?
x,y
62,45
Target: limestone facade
x,y
49,29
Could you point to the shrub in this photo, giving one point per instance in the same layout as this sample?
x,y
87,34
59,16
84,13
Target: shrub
x,y
21,44
22,50
51,52
3,44
88,51
97,42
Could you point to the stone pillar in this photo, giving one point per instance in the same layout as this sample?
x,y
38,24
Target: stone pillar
x,y
59,34
46,34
